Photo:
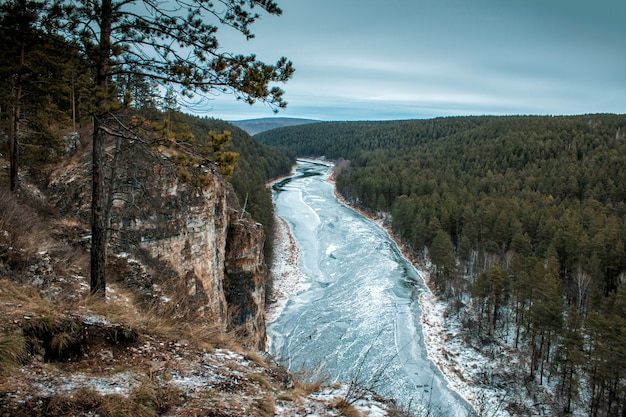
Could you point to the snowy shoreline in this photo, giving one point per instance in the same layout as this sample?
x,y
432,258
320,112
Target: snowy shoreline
x,y
284,272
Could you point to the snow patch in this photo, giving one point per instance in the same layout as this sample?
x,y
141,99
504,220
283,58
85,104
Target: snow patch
x,y
330,249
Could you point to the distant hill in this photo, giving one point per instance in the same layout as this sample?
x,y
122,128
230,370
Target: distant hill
x,y
254,126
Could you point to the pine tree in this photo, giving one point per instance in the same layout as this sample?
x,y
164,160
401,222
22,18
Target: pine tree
x,y
177,45
18,19
442,255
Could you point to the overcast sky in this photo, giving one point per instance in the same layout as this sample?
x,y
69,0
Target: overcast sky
x,y
407,59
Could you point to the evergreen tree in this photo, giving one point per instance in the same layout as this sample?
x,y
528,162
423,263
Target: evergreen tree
x,y
442,255
570,357
18,24
177,45
40,76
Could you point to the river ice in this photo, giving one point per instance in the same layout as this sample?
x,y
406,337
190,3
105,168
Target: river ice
x,y
355,316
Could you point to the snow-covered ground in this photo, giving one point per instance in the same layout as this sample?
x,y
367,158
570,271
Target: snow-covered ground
x,y
284,269
463,366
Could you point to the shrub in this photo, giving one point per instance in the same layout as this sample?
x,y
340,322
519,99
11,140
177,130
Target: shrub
x,y
20,232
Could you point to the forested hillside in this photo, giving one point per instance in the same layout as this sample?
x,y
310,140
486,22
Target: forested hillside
x,y
523,219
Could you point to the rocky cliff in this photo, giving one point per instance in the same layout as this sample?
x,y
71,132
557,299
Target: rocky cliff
x,y
179,246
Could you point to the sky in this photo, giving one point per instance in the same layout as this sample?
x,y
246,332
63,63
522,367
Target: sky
x,y
416,59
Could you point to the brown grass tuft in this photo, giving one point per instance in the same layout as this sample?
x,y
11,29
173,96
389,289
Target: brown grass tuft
x,y
394,411
12,351
266,406
17,300
150,399
345,408
306,383
256,358
261,380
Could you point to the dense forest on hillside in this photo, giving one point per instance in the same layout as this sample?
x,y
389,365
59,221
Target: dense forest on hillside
x,y
523,219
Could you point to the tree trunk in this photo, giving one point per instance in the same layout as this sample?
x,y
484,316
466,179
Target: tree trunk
x,y
12,149
98,218
98,224
111,187
14,128
570,389
73,102
541,357
533,355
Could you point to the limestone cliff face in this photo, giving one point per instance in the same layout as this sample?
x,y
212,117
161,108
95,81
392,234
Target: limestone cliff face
x,y
195,246
244,286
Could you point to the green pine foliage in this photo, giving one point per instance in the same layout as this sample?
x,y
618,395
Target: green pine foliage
x,y
524,220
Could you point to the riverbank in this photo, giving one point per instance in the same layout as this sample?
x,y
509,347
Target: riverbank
x,y
489,376
284,272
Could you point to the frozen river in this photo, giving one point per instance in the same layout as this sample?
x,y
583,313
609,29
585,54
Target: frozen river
x,y
355,317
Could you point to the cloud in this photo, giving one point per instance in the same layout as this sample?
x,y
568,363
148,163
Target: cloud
x,y
425,58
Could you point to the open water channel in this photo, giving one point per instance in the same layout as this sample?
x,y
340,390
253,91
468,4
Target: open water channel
x,y
356,316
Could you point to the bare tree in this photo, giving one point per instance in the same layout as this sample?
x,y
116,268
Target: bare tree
x,y
583,280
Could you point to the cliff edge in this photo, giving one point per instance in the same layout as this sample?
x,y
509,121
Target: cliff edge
x,y
172,241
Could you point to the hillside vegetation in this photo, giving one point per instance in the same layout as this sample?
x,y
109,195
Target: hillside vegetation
x,y
523,219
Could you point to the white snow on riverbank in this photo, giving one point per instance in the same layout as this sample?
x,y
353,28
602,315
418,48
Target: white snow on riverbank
x,y
284,272
466,369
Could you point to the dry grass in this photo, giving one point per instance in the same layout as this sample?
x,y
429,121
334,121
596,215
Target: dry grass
x,y
17,300
154,397
256,358
12,351
150,399
70,404
345,408
302,389
265,406
306,383
261,380
170,314
66,336
289,396
394,411
160,320
22,232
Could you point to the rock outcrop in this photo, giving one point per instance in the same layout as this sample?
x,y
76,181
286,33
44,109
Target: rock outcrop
x,y
190,246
